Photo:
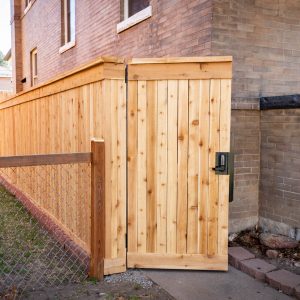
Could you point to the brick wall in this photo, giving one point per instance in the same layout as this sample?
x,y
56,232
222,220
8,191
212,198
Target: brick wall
x,y
263,37
177,28
280,170
245,143
16,42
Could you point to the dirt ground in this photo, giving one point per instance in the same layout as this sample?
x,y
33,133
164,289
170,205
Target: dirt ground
x,y
287,259
131,285
29,256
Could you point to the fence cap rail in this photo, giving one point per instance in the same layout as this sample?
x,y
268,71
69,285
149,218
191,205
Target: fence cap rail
x,y
178,60
181,68
44,159
63,76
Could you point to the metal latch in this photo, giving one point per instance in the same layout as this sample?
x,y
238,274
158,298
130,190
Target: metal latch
x,y
225,166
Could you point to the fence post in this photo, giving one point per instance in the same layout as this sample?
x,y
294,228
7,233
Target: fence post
x,y
97,209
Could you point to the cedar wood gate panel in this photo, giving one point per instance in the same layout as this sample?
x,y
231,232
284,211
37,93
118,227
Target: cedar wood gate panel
x,y
178,118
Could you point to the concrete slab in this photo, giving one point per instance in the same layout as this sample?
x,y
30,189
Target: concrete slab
x,y
297,292
198,285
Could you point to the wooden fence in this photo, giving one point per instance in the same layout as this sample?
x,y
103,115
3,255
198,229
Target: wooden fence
x,y
178,118
62,116
55,185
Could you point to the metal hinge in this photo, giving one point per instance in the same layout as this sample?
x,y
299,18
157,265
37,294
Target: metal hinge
x,y
126,74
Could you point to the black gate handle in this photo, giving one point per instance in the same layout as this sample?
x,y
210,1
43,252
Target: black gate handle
x,y
225,166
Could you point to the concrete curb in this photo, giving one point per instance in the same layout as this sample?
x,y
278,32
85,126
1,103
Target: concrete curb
x,y
245,261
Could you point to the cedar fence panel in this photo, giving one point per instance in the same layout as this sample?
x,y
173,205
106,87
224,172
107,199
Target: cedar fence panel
x,y
62,116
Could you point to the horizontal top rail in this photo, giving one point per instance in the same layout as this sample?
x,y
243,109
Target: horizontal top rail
x,y
179,60
186,68
44,159
96,70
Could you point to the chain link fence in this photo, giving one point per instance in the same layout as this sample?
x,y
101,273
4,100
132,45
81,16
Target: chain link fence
x,y
34,251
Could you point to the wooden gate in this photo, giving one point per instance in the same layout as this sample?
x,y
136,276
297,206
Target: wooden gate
x,y
178,118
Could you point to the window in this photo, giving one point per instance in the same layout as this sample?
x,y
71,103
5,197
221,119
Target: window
x,y
34,70
68,21
133,12
131,7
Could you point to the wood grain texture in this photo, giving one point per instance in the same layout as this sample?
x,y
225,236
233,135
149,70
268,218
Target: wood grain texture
x,y
172,166
98,210
61,117
206,70
203,191
132,165
183,130
162,165
214,146
44,159
151,165
142,167
183,120
178,261
193,166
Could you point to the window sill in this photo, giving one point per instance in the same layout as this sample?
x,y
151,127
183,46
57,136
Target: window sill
x,y
135,19
67,46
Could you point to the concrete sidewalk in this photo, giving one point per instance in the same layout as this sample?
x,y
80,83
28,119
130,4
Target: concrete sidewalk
x,y
200,285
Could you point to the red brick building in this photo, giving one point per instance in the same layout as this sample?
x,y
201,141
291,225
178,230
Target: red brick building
x,y
50,37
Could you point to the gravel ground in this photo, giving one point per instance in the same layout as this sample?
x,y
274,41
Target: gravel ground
x,y
131,285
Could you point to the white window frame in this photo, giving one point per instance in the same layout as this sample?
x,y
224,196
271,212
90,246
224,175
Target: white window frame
x,y
69,41
135,19
33,64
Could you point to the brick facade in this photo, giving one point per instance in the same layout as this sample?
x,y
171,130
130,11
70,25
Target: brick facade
x,y
280,176
96,33
262,36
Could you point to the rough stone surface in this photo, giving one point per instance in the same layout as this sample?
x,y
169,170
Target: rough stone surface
x,y
232,237
272,253
276,241
256,268
271,226
283,280
298,234
297,292
238,254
